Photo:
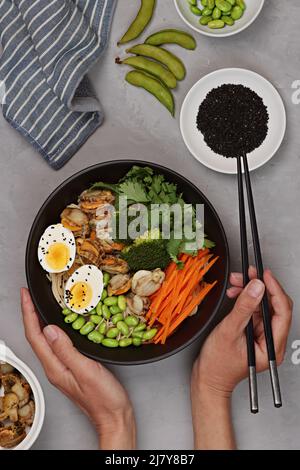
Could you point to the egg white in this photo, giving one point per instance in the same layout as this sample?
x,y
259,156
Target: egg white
x,y
90,275
52,235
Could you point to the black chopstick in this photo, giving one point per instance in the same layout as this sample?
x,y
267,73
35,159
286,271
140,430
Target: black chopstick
x,y
265,303
245,267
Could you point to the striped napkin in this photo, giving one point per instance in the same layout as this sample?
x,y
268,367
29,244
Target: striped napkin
x,y
48,47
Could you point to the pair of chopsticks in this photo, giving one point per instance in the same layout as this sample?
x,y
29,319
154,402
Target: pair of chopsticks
x,y
265,303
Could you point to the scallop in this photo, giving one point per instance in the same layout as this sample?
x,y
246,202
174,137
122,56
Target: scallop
x,y
84,289
57,249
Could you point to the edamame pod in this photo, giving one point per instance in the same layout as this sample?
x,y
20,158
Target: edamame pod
x,y
216,24
154,68
149,334
153,86
87,328
131,321
78,324
112,333
123,328
110,343
122,302
172,36
95,337
142,19
71,318
236,13
124,343
174,64
116,318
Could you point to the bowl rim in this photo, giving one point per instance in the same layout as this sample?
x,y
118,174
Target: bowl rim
x,y
155,166
220,35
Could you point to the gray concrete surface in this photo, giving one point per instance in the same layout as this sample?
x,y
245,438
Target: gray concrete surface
x,y
138,127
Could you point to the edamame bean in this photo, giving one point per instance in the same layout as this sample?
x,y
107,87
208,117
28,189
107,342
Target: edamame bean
x,y
78,324
131,321
136,342
171,61
104,295
223,5
110,343
154,68
115,309
106,279
216,24
149,334
95,337
110,301
140,22
71,318
106,313
124,343
192,2
227,20
241,4
205,20
116,318
96,319
138,334
99,309
211,4
123,328
232,2
87,328
206,12
204,3
112,333
66,311
122,303
195,10
236,13
102,328
140,327
216,14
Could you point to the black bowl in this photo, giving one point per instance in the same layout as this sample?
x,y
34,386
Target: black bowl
x,y
41,292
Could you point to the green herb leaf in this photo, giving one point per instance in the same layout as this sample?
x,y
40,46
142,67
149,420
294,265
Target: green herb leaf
x,y
134,191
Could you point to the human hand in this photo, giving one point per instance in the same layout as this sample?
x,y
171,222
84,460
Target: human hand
x,y
87,383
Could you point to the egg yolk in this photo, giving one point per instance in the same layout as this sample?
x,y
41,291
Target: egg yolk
x,y
81,296
57,256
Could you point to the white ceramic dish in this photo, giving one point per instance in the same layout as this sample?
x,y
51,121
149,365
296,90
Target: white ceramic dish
x,y
194,139
253,9
6,355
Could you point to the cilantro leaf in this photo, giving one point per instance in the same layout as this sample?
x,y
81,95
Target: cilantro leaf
x,y
134,191
138,172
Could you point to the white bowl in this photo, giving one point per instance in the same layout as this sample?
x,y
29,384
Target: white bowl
x,y
253,9
194,139
8,356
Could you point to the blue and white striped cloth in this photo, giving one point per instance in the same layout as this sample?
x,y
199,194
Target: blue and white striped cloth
x,y
48,47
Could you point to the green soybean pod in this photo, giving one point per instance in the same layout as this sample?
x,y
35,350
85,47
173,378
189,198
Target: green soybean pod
x,y
66,311
149,334
204,3
106,313
138,334
223,5
211,4
95,337
236,13
195,10
99,309
216,14
205,20
71,318
136,342
206,12
149,66
131,321
123,328
140,327
102,328
227,20
112,333
106,279
116,318
78,324
216,24
104,295
110,301
122,303
241,4
87,328
96,319
140,22
124,343
110,343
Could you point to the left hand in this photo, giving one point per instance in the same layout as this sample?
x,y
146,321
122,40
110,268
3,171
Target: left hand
x,y
87,383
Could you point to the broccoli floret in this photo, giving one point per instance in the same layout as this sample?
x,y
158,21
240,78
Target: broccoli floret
x,y
147,252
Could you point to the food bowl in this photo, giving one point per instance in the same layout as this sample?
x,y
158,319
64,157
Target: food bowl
x,y
6,355
253,10
50,311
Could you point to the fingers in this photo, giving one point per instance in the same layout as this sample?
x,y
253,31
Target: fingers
x,y
246,304
237,280
234,292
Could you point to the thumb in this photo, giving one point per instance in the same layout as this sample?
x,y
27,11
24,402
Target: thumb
x,y
246,304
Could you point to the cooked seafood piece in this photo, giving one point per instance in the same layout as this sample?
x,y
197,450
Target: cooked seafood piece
x,y
114,265
146,283
90,251
119,284
9,380
9,405
11,436
137,305
109,246
5,368
22,389
26,413
75,220
91,200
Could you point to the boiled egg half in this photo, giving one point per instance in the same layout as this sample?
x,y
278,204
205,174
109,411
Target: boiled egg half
x,y
84,289
57,249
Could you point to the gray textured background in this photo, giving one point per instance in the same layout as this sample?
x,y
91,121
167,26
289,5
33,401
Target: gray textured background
x,y
138,127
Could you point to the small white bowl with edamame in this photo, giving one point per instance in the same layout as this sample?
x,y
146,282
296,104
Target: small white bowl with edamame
x,y
253,9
